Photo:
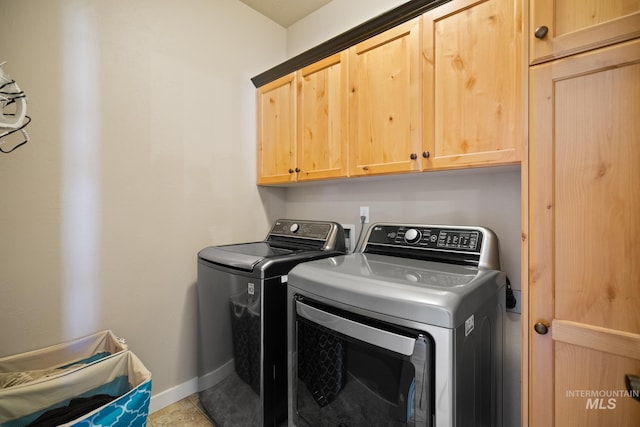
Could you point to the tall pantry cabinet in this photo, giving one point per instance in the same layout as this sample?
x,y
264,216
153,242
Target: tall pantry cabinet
x,y
582,327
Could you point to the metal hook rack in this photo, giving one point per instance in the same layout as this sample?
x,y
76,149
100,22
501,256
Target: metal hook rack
x,y
13,114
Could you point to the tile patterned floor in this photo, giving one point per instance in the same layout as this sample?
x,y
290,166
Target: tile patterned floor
x,y
184,413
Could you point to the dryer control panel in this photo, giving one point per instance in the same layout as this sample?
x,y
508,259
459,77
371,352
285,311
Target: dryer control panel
x,y
427,237
455,244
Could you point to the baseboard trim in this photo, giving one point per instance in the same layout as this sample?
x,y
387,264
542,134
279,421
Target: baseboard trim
x,y
172,395
187,388
214,377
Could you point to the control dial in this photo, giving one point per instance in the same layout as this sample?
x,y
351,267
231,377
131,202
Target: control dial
x,y
412,236
294,228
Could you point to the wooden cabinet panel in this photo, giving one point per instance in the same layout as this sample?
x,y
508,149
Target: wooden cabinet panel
x,y
322,119
579,25
593,397
276,131
584,220
599,169
384,102
473,84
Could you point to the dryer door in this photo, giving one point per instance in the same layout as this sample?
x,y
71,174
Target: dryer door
x,y
351,370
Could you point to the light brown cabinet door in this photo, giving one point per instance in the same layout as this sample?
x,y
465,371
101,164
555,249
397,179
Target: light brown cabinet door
x,y
564,27
584,228
322,119
384,102
473,84
276,131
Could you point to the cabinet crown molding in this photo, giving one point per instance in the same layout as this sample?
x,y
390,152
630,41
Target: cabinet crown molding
x,y
368,29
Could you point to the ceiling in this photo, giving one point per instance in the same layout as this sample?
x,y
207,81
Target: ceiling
x,y
285,12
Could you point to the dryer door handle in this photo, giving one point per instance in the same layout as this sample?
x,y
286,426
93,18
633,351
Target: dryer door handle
x,y
378,337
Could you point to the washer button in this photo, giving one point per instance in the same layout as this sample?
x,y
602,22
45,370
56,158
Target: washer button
x,y
412,235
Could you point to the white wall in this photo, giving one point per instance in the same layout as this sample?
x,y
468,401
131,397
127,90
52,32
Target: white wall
x,y
489,197
333,19
142,152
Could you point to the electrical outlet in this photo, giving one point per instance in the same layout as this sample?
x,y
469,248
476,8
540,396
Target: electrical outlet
x,y
364,212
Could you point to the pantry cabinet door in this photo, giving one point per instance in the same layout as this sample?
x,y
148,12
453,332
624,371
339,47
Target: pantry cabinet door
x,y
276,131
322,119
384,102
564,27
473,84
584,226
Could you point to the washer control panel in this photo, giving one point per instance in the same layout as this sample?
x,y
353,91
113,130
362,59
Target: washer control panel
x,y
456,239
302,229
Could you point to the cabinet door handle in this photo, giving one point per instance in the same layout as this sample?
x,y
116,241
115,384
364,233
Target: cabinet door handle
x,y
633,385
290,170
541,327
413,156
426,154
297,169
541,32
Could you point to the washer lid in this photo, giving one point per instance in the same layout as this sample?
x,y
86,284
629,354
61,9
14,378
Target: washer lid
x,y
244,256
288,243
428,292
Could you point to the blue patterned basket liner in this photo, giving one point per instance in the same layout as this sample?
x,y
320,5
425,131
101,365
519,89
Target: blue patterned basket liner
x,y
130,409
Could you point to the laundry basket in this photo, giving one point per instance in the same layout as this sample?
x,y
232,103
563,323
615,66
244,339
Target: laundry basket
x,y
106,388
54,360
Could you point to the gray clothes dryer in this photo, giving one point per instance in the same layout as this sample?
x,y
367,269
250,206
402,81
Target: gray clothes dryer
x,y
242,320
407,332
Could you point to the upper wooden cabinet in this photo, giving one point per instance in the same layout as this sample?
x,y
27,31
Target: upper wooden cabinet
x,y
322,119
384,102
302,124
473,84
276,131
564,27
440,91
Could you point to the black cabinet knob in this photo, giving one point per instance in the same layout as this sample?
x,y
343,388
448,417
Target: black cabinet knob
x,y
633,385
426,154
414,156
541,328
290,170
541,32
297,169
